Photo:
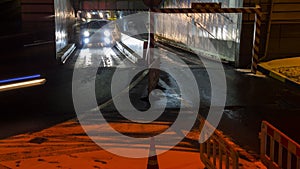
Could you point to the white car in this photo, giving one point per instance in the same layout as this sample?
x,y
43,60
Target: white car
x,y
95,33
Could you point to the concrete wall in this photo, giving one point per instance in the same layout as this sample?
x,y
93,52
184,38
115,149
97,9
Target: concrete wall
x,y
47,20
285,29
64,22
280,30
10,16
284,41
25,22
213,35
10,29
37,19
280,33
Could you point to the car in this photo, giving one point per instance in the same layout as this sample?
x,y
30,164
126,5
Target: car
x,y
96,33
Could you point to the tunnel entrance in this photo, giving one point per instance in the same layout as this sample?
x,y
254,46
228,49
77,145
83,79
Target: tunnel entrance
x,y
213,35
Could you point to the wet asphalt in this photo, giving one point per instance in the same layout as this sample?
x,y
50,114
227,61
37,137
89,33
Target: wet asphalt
x,y
249,99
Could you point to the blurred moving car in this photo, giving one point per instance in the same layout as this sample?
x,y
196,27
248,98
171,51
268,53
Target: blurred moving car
x,y
96,33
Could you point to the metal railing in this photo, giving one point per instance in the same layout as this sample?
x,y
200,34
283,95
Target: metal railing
x,y
217,152
278,151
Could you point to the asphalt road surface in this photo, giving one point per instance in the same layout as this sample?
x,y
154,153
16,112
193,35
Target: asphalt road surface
x,y
250,99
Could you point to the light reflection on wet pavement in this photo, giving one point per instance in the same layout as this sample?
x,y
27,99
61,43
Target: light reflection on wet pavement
x,y
250,99
100,57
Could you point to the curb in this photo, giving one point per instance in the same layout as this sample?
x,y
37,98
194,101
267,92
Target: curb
x,y
203,55
38,43
65,53
127,52
276,75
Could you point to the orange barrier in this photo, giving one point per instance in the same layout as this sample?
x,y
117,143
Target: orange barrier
x,y
217,153
278,150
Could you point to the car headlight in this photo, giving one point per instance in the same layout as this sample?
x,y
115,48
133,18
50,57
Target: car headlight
x,y
88,15
106,33
107,41
100,14
86,33
86,40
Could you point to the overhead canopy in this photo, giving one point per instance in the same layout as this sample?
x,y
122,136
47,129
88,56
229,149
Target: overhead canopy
x,y
108,4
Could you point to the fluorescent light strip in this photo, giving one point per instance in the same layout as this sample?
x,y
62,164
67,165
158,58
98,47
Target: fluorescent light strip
x,y
20,78
18,85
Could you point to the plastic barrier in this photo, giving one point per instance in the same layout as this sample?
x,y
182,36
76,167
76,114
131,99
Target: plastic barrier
x,y
278,150
217,152
138,51
133,48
